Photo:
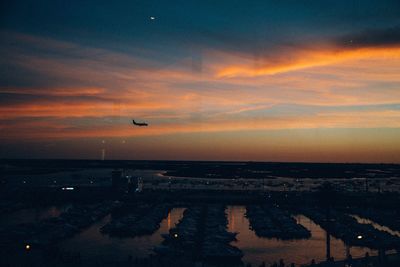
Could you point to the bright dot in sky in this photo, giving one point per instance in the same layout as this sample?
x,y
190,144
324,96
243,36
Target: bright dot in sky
x,y
27,247
152,18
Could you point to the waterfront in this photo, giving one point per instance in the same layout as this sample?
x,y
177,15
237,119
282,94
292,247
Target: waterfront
x,y
269,250
118,216
93,246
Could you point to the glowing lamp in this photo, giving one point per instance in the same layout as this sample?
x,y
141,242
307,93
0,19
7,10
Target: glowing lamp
x,y
27,247
359,237
67,188
176,235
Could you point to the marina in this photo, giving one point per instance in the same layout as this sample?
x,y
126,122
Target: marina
x,y
146,218
204,233
272,222
352,232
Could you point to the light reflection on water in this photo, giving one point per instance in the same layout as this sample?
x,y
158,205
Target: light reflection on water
x,y
256,249
376,225
92,244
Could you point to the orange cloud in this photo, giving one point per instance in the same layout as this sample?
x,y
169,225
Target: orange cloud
x,y
55,91
304,59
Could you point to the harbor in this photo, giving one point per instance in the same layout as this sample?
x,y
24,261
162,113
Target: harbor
x,y
210,234
126,217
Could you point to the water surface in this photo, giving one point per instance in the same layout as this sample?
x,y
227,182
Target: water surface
x,y
32,215
256,249
95,246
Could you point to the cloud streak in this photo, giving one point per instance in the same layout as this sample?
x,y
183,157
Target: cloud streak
x,y
304,59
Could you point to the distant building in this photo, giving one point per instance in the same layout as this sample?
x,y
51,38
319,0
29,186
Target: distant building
x,y
135,184
139,185
118,181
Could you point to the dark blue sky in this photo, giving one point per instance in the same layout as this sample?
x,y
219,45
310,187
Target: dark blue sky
x,y
237,25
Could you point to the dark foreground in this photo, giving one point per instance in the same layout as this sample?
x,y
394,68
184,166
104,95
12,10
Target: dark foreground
x,y
361,214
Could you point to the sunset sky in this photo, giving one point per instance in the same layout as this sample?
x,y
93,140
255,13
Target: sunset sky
x,y
215,80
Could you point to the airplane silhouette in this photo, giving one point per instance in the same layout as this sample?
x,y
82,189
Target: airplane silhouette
x,y
139,123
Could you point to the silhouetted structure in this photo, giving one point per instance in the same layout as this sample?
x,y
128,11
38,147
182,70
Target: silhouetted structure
x,y
327,196
118,181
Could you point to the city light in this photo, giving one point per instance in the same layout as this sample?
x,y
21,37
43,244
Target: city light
x,y
67,188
